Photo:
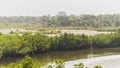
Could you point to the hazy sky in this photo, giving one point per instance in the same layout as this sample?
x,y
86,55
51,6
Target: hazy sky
x,y
45,7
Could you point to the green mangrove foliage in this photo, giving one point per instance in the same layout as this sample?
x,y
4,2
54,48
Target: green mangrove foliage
x,y
19,45
28,62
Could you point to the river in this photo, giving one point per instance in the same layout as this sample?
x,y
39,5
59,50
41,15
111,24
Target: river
x,y
89,57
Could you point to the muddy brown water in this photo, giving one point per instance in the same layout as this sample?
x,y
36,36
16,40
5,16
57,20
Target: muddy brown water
x,y
67,56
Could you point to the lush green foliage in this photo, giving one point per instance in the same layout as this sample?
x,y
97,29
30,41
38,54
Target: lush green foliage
x,y
27,62
70,42
16,45
13,45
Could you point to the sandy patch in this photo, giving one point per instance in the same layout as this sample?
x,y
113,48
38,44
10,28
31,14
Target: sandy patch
x,y
86,32
106,62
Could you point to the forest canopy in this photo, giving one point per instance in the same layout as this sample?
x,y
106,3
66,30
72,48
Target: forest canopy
x,y
62,19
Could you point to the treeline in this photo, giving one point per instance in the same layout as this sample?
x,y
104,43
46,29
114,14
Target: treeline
x,y
16,45
62,19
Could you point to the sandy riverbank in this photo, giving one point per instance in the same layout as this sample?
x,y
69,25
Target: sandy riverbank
x,y
106,62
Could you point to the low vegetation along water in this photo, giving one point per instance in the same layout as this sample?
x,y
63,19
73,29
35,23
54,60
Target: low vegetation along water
x,y
70,57
46,49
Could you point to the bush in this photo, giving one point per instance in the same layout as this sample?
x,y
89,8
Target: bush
x,y
27,62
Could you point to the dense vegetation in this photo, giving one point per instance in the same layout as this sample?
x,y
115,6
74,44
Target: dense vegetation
x,y
19,45
62,19
28,62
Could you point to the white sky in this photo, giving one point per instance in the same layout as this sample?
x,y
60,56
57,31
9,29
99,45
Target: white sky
x,y
45,7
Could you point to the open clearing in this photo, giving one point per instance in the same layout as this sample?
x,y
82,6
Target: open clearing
x,y
86,32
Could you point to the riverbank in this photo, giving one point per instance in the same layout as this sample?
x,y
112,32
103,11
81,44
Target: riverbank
x,y
105,61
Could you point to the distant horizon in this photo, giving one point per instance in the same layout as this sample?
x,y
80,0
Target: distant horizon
x,y
56,15
51,7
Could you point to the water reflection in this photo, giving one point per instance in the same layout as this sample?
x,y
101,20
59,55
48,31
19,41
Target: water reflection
x,y
65,55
